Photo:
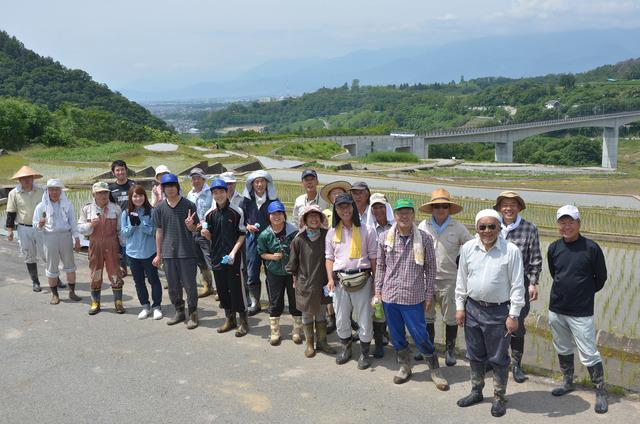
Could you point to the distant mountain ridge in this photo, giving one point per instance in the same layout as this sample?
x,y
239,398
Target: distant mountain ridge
x,y
514,57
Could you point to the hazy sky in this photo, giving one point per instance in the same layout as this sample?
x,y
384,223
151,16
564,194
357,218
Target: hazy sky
x,y
137,43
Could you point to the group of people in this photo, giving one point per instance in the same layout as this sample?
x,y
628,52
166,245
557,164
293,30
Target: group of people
x,y
346,260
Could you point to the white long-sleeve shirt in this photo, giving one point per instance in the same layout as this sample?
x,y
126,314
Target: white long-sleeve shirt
x,y
62,219
494,276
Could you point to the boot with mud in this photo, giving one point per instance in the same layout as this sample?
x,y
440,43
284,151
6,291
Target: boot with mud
x,y
309,351
567,368
193,321
55,299
243,325
72,293
296,333
229,322
364,361
345,351
274,325
500,377
596,372
517,349
477,384
436,373
178,317
321,336
404,360
207,284
95,302
451,333
117,300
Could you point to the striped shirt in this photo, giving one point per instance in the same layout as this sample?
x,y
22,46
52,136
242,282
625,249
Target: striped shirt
x,y
398,278
177,240
525,236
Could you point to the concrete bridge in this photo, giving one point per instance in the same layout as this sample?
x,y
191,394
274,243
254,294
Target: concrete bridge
x,y
503,136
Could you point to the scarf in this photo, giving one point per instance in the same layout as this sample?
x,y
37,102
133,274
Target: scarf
x,y
418,248
440,228
312,234
65,205
507,228
355,249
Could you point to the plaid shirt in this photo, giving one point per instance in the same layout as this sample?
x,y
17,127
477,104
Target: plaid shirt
x,y
525,236
398,278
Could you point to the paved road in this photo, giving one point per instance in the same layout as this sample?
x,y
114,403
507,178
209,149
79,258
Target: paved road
x,y
60,365
546,197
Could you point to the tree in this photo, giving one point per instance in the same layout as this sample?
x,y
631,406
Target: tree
x,y
355,85
568,81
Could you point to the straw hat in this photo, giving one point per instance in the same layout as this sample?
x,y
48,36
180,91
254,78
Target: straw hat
x,y
509,195
439,196
25,171
324,193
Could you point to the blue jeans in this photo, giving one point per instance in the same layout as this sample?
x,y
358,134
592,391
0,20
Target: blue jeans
x,y
254,261
140,268
412,316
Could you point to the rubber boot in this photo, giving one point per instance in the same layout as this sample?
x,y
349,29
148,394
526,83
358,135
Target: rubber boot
x,y
72,293
243,325
321,336
296,333
597,378
477,384
331,323
178,317
207,286
355,327
378,336
274,325
517,348
117,300
229,322
500,378
567,368
255,293
33,273
55,299
451,332
404,360
436,374
193,321
431,331
363,361
309,351
345,351
95,302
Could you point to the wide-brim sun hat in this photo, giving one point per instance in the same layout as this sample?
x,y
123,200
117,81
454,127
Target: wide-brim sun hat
x,y
324,222
441,196
26,171
324,192
509,194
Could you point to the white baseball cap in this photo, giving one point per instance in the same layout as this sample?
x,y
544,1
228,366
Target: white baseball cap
x,y
568,210
228,177
54,183
162,169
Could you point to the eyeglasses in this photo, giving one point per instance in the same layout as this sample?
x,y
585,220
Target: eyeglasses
x,y
483,227
440,206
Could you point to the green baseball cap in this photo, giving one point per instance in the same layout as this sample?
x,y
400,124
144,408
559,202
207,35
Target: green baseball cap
x,y
403,203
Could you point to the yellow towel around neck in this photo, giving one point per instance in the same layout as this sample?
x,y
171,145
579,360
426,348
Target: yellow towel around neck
x,y
355,249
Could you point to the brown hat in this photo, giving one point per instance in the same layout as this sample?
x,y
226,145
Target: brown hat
x,y
509,195
25,171
324,193
439,196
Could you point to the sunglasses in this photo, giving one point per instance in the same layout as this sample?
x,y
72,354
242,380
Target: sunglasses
x,y
483,227
440,206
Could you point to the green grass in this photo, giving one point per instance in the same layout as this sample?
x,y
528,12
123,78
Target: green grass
x,y
93,152
313,150
390,157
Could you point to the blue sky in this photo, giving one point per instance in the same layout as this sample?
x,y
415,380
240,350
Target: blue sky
x,y
145,42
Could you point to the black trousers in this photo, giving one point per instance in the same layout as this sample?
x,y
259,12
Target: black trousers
x,y
277,285
231,287
181,274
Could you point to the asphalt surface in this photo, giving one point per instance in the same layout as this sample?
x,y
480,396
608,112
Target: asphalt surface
x,y
60,365
534,196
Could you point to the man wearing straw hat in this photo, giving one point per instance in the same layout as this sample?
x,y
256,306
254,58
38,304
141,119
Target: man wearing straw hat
x,y
523,234
21,204
448,237
56,219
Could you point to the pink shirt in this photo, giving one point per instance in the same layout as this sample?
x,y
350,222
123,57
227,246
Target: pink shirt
x,y
339,252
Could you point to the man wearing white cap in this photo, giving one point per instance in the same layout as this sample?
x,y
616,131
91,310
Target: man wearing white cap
x,y
100,222
579,271
21,203
489,295
201,196
157,195
235,198
56,219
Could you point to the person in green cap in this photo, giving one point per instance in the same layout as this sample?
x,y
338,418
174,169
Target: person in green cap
x,y
405,271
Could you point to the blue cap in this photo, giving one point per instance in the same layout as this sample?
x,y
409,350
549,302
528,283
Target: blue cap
x,y
169,178
276,206
219,183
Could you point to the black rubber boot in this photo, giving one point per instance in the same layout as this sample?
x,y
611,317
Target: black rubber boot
x,y
255,292
378,338
450,353
117,301
566,366
230,322
500,377
72,293
517,348
597,378
243,325
363,361
477,384
431,331
178,317
344,354
33,273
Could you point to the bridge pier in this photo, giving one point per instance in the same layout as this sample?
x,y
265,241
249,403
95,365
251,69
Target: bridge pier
x,y
610,147
504,151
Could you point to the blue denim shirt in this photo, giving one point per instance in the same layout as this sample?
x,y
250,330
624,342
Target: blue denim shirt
x,y
203,200
141,239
